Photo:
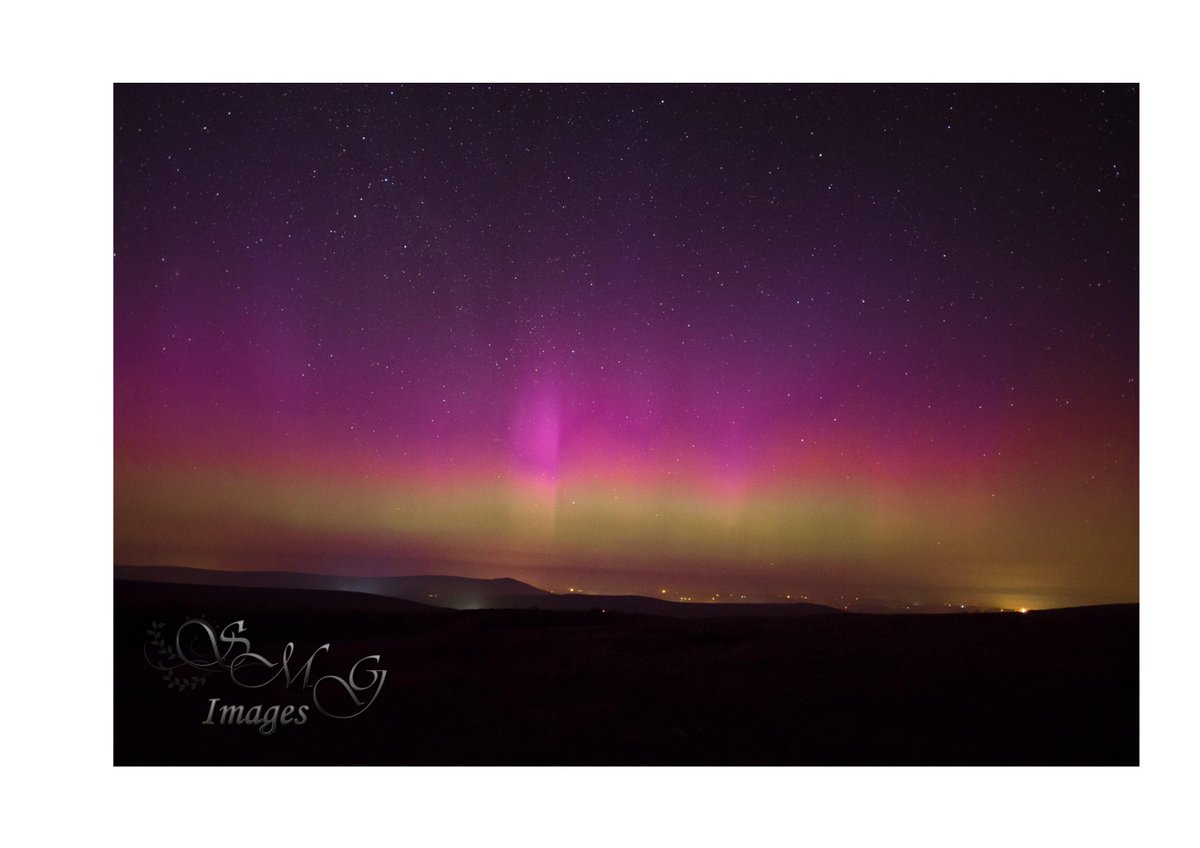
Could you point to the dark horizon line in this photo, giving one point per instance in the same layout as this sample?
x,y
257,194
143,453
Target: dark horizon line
x,y
917,609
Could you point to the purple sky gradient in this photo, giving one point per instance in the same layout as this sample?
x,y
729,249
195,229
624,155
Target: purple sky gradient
x,y
776,336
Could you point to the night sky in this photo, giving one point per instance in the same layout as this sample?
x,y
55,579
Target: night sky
x,y
873,342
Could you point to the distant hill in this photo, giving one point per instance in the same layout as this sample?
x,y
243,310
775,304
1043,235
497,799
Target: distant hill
x,y
157,597
639,605
431,590
462,593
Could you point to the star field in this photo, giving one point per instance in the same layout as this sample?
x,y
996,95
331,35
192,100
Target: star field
x,y
832,340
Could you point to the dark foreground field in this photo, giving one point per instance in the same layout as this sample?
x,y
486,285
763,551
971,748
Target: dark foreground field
x,y
591,688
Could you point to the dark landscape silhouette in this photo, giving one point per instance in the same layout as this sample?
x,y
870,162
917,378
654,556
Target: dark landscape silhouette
x,y
537,678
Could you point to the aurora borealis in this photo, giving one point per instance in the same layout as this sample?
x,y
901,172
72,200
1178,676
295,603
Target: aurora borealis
x,y
863,341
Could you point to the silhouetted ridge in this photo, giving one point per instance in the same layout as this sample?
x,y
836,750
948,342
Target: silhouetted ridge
x,y
461,593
